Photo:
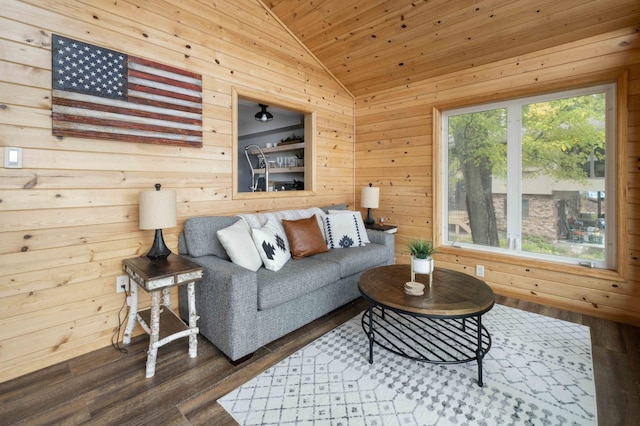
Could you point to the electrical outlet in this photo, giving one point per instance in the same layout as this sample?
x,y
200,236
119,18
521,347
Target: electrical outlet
x,y
479,271
122,283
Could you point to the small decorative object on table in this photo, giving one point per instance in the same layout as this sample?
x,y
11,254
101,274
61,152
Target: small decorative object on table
x,y
413,288
421,260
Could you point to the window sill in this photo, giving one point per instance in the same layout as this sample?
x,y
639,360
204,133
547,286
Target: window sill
x,y
529,262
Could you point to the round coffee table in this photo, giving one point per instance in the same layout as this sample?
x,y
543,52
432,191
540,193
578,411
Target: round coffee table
x,y
443,326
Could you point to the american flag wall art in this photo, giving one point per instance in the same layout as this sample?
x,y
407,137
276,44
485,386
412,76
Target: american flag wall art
x,y
100,93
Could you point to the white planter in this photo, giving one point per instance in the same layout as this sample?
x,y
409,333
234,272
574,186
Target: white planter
x,y
422,266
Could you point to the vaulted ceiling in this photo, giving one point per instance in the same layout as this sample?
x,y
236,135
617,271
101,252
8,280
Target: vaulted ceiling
x,y
372,45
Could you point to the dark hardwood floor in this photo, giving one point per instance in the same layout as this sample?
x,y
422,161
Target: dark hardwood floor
x,y
109,387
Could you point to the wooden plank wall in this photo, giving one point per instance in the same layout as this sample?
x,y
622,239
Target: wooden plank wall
x,y
70,216
394,151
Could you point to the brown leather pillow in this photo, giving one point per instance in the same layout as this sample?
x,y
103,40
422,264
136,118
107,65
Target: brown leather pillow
x,y
305,237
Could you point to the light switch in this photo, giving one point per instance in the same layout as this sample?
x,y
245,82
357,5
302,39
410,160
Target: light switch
x,y
12,157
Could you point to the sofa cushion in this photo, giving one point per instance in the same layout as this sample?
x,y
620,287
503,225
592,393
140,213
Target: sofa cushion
x,y
354,261
238,243
305,237
342,231
201,237
294,279
273,247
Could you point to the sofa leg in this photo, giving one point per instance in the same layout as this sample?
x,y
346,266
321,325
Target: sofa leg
x,y
240,360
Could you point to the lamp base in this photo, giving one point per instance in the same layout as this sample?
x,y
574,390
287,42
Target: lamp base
x,y
159,250
369,220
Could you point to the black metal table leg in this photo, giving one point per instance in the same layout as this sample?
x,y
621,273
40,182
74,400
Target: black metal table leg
x,y
479,351
371,335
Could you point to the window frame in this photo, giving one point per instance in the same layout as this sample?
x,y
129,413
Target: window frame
x,y
616,267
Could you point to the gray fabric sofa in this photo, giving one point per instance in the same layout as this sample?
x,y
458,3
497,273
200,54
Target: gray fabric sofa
x,y
240,310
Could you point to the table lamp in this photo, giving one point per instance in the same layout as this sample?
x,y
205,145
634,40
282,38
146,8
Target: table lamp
x,y
157,211
369,199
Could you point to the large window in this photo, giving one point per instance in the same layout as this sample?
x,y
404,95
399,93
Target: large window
x,y
529,177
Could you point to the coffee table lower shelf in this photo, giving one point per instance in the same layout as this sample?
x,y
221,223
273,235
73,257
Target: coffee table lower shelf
x,y
434,340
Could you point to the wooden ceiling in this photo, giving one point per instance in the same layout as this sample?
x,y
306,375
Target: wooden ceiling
x,y
372,45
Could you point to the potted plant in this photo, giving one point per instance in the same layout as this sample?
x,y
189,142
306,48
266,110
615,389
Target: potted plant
x,y
421,252
291,139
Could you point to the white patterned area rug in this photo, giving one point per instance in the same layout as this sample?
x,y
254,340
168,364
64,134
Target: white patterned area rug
x,y
537,372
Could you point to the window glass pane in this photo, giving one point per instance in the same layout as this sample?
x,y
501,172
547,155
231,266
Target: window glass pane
x,y
477,151
529,176
563,160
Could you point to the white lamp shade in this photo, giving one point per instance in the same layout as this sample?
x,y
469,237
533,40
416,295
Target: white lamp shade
x,y
370,197
157,209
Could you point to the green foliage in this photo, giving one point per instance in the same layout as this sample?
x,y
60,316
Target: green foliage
x,y
561,135
293,137
536,244
480,139
421,249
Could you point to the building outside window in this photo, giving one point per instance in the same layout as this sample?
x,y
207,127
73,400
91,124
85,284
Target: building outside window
x,y
529,176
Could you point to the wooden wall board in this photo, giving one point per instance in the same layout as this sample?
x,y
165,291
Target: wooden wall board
x,y
69,217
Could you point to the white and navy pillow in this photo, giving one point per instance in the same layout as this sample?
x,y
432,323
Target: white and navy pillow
x,y
342,231
272,244
358,217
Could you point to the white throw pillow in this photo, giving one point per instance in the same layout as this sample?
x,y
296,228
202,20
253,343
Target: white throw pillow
x,y
358,216
272,244
237,241
342,231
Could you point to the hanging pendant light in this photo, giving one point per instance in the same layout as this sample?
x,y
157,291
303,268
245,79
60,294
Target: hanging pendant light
x,y
264,115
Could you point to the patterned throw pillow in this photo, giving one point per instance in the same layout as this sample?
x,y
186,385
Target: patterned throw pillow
x,y
273,247
342,231
361,228
237,241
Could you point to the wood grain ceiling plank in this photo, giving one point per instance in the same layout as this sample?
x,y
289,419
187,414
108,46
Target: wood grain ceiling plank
x,y
459,29
440,36
288,11
363,25
349,15
446,57
505,70
310,19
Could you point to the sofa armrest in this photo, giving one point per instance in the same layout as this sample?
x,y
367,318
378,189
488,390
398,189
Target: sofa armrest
x,y
379,237
227,303
182,245
385,239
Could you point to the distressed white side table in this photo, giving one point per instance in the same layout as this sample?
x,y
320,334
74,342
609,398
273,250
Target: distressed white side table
x,y
158,276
